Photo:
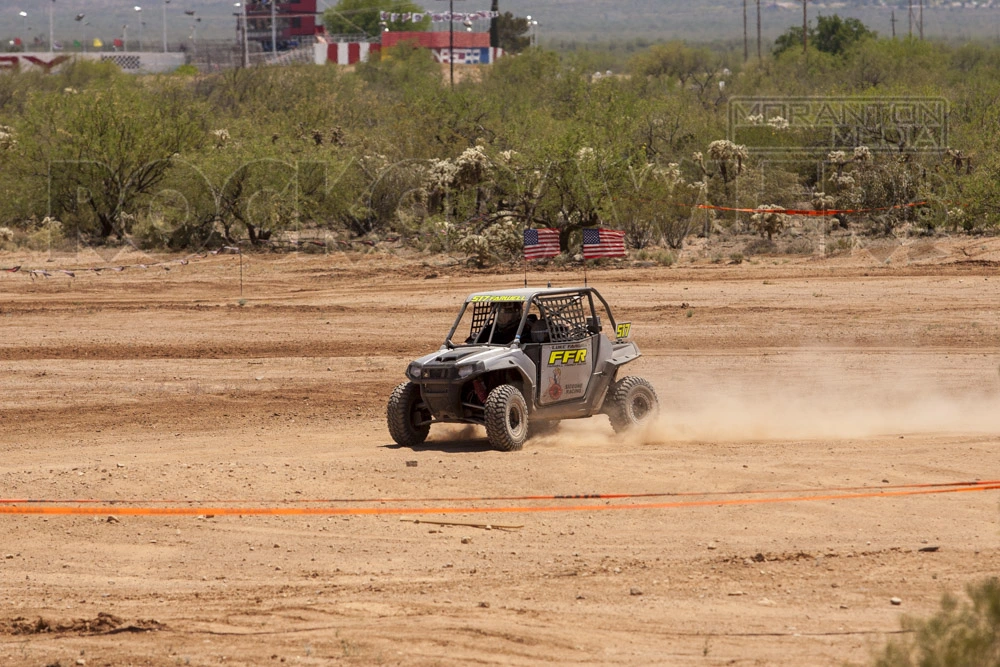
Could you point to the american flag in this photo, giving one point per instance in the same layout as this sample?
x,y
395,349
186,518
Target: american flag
x,y
541,243
600,242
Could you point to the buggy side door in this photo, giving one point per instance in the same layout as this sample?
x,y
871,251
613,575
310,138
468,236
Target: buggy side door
x,y
566,361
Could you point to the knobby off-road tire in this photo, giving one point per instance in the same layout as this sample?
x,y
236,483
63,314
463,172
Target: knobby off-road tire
x,y
631,401
506,418
404,417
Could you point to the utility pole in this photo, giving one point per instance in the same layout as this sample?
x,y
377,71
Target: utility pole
x,y
138,13
910,16
165,3
245,46
921,20
758,31
495,25
274,27
746,44
893,21
805,28
51,32
451,41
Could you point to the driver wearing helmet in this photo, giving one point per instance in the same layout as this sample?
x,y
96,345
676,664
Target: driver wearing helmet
x,y
508,319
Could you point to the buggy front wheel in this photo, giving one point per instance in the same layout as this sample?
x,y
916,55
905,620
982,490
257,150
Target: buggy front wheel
x,y
408,419
506,418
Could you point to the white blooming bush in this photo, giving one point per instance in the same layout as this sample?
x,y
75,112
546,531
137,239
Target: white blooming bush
x,y
778,123
7,139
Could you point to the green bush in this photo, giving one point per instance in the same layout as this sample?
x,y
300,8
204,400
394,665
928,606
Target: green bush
x,y
964,633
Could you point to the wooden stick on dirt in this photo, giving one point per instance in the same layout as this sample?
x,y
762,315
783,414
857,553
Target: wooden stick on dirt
x,y
486,526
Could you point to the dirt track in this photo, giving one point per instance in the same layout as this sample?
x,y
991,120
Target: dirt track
x,y
779,379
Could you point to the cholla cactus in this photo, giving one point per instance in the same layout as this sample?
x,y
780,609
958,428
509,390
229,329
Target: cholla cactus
x,y
843,181
755,119
6,235
7,139
70,91
221,137
585,154
838,158
823,201
51,224
955,217
671,173
499,242
469,168
769,219
862,154
723,149
473,165
442,174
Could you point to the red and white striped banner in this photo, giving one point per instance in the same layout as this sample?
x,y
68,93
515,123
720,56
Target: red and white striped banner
x,y
344,53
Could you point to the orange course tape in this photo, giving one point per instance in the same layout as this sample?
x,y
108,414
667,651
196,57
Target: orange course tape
x,y
461,499
376,511
810,212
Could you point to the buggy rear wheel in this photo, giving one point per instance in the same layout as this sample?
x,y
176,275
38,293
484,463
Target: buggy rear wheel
x,y
631,401
506,418
407,417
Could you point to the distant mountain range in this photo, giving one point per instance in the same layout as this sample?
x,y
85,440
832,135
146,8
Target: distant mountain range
x,y
576,20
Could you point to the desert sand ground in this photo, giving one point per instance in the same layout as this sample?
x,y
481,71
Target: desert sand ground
x,y
785,378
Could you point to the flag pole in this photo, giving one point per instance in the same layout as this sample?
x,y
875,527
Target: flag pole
x,y
525,260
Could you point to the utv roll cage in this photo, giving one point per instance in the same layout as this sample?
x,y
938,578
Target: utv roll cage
x,y
564,316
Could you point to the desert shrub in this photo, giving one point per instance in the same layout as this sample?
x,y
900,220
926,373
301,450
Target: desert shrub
x,y
657,255
47,233
759,247
6,238
800,246
839,246
964,633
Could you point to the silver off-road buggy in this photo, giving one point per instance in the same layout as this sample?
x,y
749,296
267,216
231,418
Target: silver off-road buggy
x,y
531,358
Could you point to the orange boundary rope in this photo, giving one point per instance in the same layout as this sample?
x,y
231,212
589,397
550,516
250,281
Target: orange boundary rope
x,y
459,499
376,511
810,212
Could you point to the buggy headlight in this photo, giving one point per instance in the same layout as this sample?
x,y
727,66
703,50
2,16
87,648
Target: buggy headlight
x,y
471,369
413,371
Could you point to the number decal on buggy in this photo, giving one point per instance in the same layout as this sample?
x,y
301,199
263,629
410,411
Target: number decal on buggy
x,y
494,298
623,330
